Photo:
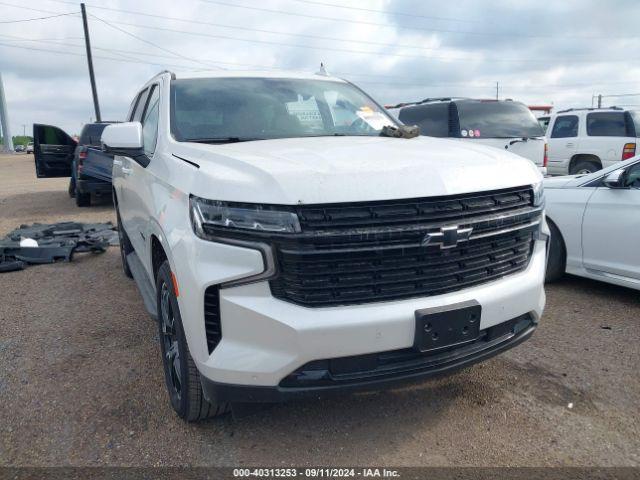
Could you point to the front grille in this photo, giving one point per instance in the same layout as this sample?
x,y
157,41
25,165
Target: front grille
x,y
367,252
212,326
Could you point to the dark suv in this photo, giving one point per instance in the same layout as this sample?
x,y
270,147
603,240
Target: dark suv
x,y
57,154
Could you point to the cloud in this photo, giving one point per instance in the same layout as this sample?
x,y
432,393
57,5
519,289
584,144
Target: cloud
x,y
539,52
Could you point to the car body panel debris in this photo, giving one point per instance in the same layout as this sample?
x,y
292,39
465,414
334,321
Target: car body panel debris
x,y
55,242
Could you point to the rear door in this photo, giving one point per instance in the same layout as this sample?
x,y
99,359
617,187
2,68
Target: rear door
x,y
98,164
53,151
563,142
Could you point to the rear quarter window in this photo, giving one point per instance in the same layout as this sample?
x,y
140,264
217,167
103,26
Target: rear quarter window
x,y
433,119
609,124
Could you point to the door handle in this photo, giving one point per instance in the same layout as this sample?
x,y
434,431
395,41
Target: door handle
x,y
570,145
126,171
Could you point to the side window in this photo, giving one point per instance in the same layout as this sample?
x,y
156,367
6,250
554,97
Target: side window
x,y
150,122
136,114
633,176
432,119
565,126
606,124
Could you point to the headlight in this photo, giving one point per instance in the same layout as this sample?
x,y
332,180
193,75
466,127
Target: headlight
x,y
223,215
538,194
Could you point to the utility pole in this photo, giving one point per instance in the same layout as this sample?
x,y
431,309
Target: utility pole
x,y
92,77
497,89
4,120
600,101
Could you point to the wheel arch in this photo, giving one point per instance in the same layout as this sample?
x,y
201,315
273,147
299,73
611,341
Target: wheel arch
x,y
587,157
553,225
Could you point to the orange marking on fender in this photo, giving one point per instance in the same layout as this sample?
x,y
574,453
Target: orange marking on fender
x,y
174,280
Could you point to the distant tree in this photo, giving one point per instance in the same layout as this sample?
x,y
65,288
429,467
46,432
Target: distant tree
x,y
22,140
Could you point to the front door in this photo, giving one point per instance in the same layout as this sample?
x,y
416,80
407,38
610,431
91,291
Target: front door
x,y
611,228
53,150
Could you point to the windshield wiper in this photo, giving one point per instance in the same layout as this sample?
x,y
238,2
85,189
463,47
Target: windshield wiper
x,y
222,140
524,139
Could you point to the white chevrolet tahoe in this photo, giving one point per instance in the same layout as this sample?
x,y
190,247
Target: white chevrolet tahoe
x,y
290,245
585,140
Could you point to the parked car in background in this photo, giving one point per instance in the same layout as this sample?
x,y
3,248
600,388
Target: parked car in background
x,y
503,124
91,167
19,149
29,147
59,155
585,140
595,224
290,245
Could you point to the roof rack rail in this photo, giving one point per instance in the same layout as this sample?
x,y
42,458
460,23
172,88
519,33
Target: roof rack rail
x,y
426,100
589,109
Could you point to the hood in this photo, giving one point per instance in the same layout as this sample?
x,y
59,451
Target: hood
x,y
559,182
349,169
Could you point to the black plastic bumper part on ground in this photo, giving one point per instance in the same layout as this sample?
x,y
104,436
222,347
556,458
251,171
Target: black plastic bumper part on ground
x,y
375,371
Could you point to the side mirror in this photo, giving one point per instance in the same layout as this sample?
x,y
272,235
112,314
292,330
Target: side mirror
x,y
614,179
123,139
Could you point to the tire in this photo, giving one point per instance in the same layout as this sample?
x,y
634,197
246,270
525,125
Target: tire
x,y
125,246
181,375
72,187
584,167
83,199
557,260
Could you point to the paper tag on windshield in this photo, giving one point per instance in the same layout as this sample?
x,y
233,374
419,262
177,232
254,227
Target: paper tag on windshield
x,y
375,120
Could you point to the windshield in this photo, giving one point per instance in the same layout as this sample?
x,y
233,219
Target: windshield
x,y
236,109
495,119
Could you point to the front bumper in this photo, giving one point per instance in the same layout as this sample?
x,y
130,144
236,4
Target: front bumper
x,y
328,377
265,339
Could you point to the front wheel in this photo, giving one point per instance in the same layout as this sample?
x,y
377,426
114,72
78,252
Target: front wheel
x,y
181,375
584,168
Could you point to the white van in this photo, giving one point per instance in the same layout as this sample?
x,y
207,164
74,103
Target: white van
x,y
503,124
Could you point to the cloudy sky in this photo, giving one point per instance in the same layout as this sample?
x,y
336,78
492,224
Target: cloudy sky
x,y
540,52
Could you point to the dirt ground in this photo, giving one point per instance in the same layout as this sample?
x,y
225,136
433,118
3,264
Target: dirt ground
x,y
81,380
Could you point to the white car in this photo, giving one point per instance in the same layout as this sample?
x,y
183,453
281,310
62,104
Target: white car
x,y
589,139
595,224
30,147
289,246
503,124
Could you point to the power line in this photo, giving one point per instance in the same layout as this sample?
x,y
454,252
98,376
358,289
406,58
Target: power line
x,y
75,54
300,35
408,82
425,29
360,52
249,29
38,18
184,57
398,14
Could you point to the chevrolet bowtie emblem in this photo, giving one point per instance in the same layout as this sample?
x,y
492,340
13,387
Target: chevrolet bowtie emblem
x,y
447,237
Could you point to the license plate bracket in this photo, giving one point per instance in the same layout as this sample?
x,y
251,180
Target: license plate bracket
x,y
444,327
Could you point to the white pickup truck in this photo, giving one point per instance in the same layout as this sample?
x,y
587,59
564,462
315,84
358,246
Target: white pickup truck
x,y
289,244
